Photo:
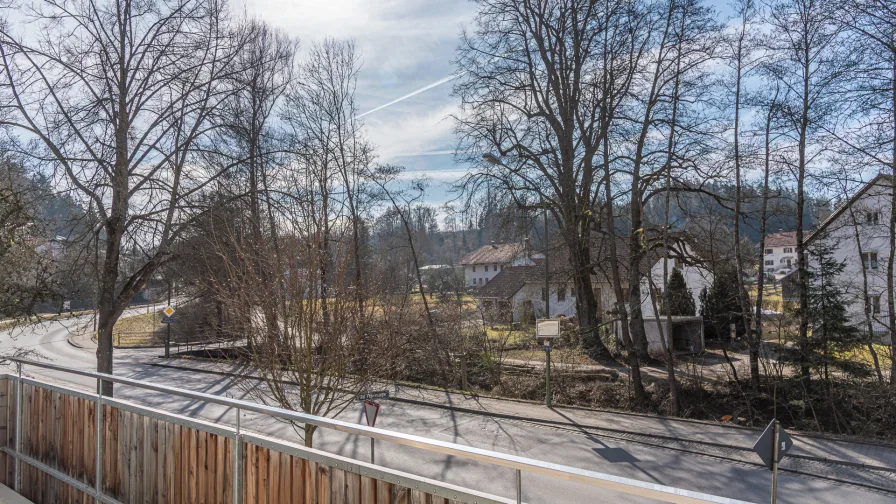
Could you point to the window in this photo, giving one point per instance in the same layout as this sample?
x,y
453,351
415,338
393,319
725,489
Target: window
x,y
474,269
869,259
561,293
872,218
874,303
770,262
788,250
767,252
494,267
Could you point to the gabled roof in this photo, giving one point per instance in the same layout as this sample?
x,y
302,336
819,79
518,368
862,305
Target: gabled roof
x,y
782,239
881,180
512,278
496,253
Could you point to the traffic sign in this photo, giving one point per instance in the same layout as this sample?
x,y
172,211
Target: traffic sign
x,y
765,445
167,320
168,311
379,394
371,409
547,348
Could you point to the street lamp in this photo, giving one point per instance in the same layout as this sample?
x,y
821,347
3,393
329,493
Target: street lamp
x,y
490,158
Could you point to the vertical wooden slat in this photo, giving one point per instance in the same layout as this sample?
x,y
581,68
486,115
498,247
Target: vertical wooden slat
x,y
251,470
194,462
368,490
150,458
383,492
219,468
201,466
285,471
273,477
297,480
400,495
323,484
310,477
337,485
227,469
211,445
263,456
177,465
352,488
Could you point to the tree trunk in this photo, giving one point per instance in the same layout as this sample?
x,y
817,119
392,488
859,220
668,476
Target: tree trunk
x,y
586,303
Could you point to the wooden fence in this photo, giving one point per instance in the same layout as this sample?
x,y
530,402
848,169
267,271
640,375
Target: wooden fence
x,y
151,456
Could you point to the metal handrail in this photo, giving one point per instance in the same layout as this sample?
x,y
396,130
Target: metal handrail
x,y
607,481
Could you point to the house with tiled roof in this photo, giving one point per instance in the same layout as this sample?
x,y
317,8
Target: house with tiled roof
x,y
483,264
779,256
517,294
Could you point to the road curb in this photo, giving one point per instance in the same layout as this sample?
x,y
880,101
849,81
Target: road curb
x,y
71,341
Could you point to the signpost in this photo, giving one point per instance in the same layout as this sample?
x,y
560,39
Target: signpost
x,y
771,447
168,319
545,331
371,410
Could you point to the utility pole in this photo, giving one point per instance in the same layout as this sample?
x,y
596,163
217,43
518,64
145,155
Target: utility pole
x,y
547,307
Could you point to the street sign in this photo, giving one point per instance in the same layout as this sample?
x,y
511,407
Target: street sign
x,y
168,311
371,409
379,394
547,348
547,328
765,445
167,320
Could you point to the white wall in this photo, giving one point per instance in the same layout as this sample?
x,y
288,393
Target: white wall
x,y
531,291
696,279
779,258
841,233
482,274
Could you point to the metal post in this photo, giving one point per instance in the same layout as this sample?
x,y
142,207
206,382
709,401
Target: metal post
x,y
168,337
519,487
547,374
372,451
100,414
17,483
547,272
775,465
237,462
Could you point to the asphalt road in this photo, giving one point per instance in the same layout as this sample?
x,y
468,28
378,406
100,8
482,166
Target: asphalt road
x,y
587,451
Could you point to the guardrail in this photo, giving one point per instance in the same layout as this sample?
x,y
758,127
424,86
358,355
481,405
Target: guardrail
x,y
240,437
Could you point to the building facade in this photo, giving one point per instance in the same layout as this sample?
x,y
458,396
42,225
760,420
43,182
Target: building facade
x,y
858,234
779,255
483,264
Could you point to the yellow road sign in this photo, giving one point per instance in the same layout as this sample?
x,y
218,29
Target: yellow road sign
x,y
169,311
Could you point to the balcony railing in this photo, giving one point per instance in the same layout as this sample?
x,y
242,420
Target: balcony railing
x,y
56,433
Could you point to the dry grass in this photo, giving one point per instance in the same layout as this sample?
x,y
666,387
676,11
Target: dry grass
x,y
139,330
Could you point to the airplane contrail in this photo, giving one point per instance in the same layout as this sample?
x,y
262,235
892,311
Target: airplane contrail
x,y
414,93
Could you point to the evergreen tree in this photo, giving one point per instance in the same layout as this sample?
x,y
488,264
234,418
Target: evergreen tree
x,y
719,306
833,336
681,301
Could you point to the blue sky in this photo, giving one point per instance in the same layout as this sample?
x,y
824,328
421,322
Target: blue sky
x,y
404,45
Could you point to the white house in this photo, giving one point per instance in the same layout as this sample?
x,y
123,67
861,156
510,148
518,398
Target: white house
x,y
695,277
516,294
684,334
484,263
859,235
779,256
